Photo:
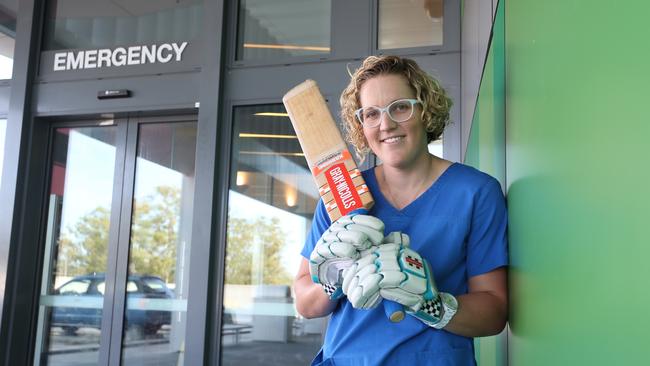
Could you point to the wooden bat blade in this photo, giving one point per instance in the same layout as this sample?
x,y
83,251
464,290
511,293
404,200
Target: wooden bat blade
x,y
339,181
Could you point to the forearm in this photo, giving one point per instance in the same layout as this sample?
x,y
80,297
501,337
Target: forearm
x,y
479,314
311,300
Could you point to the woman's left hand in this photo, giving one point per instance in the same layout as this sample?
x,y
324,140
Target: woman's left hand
x,y
394,272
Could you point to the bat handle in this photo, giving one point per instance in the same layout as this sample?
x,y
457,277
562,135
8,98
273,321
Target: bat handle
x,y
394,311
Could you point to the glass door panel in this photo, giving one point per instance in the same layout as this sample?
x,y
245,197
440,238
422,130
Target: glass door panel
x,y
3,132
271,202
77,246
280,29
405,24
161,223
436,148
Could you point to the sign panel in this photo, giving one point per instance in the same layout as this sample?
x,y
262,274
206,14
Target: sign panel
x,y
120,56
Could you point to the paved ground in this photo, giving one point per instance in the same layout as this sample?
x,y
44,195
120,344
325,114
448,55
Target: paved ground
x,y
299,351
155,351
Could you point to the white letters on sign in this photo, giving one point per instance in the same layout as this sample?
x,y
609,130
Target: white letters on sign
x,y
120,56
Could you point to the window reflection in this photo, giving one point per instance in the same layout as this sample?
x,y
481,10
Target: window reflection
x,y
404,24
76,245
3,131
156,309
436,148
101,23
283,28
271,202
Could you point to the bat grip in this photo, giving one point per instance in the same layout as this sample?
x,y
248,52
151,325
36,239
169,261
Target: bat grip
x,y
394,311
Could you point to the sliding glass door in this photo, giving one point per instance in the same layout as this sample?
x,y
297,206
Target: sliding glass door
x,y
116,264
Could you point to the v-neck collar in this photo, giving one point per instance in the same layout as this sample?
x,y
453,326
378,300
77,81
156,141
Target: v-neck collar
x,y
412,208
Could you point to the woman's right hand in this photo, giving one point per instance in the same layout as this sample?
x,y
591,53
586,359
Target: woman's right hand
x,y
339,247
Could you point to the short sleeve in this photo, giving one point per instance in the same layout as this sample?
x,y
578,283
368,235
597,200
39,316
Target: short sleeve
x,y
319,224
487,243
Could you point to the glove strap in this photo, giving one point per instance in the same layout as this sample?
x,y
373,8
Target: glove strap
x,y
334,292
449,307
430,312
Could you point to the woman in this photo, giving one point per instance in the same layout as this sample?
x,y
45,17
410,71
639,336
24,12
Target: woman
x,y
453,216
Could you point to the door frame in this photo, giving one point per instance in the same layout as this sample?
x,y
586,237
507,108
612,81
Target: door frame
x,y
114,302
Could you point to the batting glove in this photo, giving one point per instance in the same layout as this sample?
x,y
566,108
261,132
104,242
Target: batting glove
x,y
339,247
407,279
361,280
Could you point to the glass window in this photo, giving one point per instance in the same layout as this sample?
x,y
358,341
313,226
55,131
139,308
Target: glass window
x,y
76,245
3,131
435,147
101,287
161,227
75,287
272,29
271,202
415,23
8,10
91,24
131,287
154,284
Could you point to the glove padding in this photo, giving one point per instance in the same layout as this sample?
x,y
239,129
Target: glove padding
x,y
407,279
394,272
339,247
361,280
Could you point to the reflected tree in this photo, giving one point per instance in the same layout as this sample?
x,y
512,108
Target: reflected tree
x,y
83,248
246,235
239,258
154,233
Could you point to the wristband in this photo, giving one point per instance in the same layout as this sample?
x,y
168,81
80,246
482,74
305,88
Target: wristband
x,y
430,313
449,306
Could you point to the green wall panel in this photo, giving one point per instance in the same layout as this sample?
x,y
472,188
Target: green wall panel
x,y
577,173
486,152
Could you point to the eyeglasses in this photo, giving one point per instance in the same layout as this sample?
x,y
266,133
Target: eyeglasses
x,y
399,111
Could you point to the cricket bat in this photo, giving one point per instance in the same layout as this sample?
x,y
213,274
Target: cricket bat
x,y
339,181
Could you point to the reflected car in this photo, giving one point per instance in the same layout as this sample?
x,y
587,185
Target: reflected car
x,y
87,309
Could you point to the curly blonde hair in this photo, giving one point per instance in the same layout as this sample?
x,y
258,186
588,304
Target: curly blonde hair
x,y
435,102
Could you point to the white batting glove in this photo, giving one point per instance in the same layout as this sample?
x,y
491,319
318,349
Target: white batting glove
x,y
406,278
339,247
361,280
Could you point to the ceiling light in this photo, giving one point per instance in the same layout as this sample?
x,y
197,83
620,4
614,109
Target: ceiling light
x,y
271,153
242,178
267,136
271,114
286,47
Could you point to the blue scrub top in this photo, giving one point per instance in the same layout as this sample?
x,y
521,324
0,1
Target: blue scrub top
x,y
459,225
